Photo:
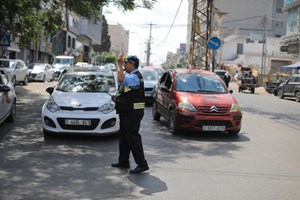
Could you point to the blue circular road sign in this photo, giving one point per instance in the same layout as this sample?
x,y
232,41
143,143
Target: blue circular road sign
x,y
214,43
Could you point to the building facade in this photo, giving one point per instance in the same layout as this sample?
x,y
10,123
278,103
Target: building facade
x,y
119,38
250,32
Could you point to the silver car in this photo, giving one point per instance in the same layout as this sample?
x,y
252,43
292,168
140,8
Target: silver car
x,y
16,69
41,72
7,98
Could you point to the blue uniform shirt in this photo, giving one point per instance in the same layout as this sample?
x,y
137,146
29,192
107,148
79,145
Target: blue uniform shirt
x,y
131,80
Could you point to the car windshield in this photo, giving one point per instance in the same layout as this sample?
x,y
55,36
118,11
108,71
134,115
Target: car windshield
x,y
6,63
149,75
36,66
87,83
198,83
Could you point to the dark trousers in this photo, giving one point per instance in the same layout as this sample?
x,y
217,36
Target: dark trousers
x,y
130,138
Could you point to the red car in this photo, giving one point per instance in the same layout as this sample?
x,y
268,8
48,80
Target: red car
x,y
196,100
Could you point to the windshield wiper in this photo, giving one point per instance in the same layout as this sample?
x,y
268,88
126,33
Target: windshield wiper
x,y
63,90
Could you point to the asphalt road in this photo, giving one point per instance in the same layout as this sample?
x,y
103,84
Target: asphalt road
x,y
262,163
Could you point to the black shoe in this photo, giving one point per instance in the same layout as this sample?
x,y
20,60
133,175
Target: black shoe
x,y
139,169
121,165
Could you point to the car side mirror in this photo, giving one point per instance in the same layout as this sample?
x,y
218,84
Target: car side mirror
x,y
50,90
4,88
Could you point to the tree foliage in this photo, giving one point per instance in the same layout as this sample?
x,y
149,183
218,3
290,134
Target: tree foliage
x,y
28,17
105,38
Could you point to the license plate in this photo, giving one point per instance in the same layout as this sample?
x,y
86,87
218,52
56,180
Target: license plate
x,y
79,122
213,128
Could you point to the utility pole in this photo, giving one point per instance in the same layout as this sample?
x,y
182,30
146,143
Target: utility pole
x,y
264,51
200,33
149,45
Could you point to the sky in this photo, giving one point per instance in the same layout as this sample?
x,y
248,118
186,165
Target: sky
x,y
164,37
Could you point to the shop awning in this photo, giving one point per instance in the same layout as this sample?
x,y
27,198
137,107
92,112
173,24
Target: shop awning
x,y
292,66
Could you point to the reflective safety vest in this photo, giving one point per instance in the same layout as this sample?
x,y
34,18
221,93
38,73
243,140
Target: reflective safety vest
x,y
130,99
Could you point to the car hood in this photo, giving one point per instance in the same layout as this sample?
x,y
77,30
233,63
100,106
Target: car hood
x,y
207,99
80,99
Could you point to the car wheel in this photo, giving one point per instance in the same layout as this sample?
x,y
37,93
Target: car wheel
x,y
235,132
47,133
172,123
13,80
44,79
298,96
156,116
13,113
25,82
275,92
280,93
252,90
52,78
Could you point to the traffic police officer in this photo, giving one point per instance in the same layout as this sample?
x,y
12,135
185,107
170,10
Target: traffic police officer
x,y
130,105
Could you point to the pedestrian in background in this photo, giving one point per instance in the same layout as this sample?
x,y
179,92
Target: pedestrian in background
x,y
227,78
130,104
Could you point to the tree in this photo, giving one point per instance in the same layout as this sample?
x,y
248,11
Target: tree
x,y
28,17
105,38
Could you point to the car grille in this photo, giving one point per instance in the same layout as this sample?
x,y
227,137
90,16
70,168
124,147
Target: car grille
x,y
83,109
32,75
207,109
201,123
94,124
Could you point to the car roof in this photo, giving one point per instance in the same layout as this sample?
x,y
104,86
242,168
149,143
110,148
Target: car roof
x,y
191,71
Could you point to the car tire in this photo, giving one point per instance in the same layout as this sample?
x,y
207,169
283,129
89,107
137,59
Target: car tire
x,y
235,132
25,82
252,90
44,79
14,81
280,93
13,113
47,133
172,123
297,95
52,78
156,116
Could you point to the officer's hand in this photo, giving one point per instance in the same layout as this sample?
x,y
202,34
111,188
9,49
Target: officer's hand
x,y
120,59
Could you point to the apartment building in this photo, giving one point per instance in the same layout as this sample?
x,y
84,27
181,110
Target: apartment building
x,y
119,38
250,32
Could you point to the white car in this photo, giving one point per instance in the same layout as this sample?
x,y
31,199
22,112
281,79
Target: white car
x,y
8,98
81,104
41,72
16,69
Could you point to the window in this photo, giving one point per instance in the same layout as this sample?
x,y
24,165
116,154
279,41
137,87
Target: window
x,y
69,41
279,5
73,43
239,48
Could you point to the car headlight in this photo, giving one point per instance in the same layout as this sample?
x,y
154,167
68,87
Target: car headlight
x,y
52,106
107,107
186,106
235,108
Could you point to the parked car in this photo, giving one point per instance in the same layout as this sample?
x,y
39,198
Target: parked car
x,y
60,63
41,72
290,88
196,100
7,98
16,69
150,77
275,80
81,104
